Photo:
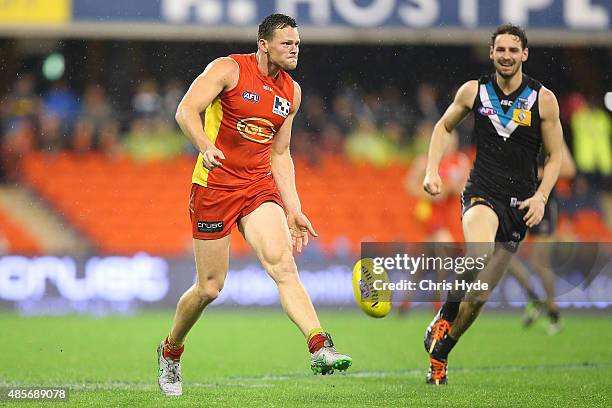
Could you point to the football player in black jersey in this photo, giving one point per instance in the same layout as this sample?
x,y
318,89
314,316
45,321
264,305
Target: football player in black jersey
x,y
514,115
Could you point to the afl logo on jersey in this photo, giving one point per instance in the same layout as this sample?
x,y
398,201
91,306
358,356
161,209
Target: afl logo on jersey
x,y
250,96
256,130
486,111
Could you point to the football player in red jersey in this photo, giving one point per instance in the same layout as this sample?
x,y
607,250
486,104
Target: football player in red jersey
x,y
244,176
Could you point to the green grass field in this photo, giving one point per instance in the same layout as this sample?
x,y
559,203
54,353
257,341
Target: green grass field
x,y
258,358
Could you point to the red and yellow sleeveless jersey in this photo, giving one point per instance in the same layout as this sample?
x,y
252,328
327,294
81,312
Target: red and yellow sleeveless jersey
x,y
242,123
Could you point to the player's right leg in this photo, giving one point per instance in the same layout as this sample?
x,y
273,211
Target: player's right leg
x,y
212,261
480,224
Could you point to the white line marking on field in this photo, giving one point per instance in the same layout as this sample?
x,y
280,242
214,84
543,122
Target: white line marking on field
x,y
268,380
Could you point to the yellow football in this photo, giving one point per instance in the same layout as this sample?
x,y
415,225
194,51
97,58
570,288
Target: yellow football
x,y
374,302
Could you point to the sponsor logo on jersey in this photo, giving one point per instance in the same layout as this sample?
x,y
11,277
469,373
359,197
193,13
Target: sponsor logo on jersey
x,y
522,117
281,106
267,88
505,102
250,96
485,111
210,226
256,130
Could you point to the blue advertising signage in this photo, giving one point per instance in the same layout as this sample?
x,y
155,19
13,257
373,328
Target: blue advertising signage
x,y
416,14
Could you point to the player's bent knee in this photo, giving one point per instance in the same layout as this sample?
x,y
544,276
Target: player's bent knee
x,y
482,250
282,269
208,291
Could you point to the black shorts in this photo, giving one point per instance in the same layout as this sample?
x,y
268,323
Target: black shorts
x,y
548,225
512,229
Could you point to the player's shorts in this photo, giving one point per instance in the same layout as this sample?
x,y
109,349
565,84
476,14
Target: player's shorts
x,y
512,229
548,225
213,213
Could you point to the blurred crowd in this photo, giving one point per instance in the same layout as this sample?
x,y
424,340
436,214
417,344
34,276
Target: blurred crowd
x,y
59,118
381,127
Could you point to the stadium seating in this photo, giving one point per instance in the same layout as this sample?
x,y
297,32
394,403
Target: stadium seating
x,y
123,206
589,226
120,205
18,240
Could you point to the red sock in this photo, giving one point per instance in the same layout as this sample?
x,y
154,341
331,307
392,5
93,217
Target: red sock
x,y
316,342
171,352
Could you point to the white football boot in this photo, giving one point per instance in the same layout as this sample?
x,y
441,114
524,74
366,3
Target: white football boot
x,y
169,376
327,359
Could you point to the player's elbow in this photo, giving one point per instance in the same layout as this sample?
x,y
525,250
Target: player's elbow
x,y
183,111
442,128
567,172
279,152
568,168
179,115
572,172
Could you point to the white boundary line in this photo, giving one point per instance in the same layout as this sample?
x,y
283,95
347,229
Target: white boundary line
x,y
268,380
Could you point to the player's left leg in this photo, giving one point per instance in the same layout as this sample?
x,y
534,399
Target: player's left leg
x,y
542,257
541,260
474,301
266,230
534,306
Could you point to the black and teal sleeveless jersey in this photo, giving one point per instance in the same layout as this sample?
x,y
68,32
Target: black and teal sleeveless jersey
x,y
507,137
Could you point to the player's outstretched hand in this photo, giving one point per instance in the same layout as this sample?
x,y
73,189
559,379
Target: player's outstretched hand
x,y
211,158
300,226
432,183
535,209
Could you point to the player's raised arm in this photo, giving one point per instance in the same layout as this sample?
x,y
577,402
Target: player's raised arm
x,y
220,75
552,138
456,112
